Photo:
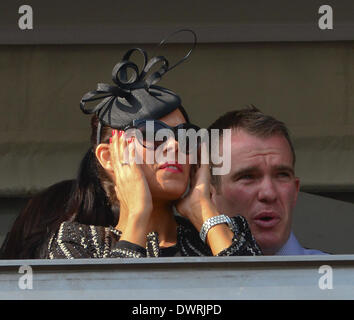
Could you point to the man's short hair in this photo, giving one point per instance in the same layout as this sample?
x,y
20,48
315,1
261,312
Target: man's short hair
x,y
254,122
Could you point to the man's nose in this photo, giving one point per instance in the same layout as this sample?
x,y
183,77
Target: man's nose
x,y
267,190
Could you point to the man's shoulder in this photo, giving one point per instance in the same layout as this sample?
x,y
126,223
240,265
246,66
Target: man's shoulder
x,y
293,247
308,251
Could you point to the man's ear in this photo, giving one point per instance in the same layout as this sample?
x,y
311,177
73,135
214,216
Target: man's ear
x,y
103,155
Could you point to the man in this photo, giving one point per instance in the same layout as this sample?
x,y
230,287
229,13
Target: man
x,y
261,185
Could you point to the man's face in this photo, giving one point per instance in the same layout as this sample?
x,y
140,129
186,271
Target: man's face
x,y
261,186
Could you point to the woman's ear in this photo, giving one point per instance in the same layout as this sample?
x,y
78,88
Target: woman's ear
x,y
103,155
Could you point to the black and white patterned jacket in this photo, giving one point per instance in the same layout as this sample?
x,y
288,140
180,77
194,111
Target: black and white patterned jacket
x,y
73,240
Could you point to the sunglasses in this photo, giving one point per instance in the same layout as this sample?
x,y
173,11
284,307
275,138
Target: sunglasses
x,y
153,133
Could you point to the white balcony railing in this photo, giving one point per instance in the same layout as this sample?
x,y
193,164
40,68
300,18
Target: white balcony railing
x,y
214,278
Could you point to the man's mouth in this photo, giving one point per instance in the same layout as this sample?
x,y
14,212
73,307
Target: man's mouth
x,y
266,219
171,167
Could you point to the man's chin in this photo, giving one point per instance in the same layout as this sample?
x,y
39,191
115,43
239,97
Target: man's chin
x,y
270,245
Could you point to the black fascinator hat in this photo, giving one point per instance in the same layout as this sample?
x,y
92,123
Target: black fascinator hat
x,y
137,97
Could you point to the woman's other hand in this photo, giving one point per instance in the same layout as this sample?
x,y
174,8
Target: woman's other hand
x,y
197,207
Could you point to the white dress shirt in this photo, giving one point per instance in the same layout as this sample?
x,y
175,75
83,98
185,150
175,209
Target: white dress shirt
x,y
293,248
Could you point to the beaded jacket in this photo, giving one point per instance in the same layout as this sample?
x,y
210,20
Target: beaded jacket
x,y
74,240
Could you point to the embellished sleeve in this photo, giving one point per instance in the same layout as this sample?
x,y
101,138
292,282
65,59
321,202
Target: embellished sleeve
x,y
243,242
74,241
126,249
79,241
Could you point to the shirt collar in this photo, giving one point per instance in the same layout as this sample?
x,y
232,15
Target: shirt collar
x,y
291,247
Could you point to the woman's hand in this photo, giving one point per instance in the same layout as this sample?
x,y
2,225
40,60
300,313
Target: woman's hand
x,y
131,188
198,207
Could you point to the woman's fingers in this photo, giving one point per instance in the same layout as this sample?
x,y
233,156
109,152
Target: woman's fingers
x,y
123,148
193,173
123,151
115,149
131,151
204,172
200,175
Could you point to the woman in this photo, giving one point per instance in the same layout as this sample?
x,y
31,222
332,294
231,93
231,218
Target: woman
x,y
146,192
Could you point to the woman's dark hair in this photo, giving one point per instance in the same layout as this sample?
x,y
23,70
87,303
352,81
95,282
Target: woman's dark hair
x,y
88,202
43,213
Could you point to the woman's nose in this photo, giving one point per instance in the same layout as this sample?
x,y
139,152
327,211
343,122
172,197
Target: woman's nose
x,y
167,151
170,145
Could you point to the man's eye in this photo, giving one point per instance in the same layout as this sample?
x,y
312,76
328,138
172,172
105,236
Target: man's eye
x,y
246,177
283,174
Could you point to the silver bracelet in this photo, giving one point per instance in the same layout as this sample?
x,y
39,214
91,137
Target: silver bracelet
x,y
213,221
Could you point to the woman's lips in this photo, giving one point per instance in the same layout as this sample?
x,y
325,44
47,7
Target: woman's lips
x,y
171,167
266,219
